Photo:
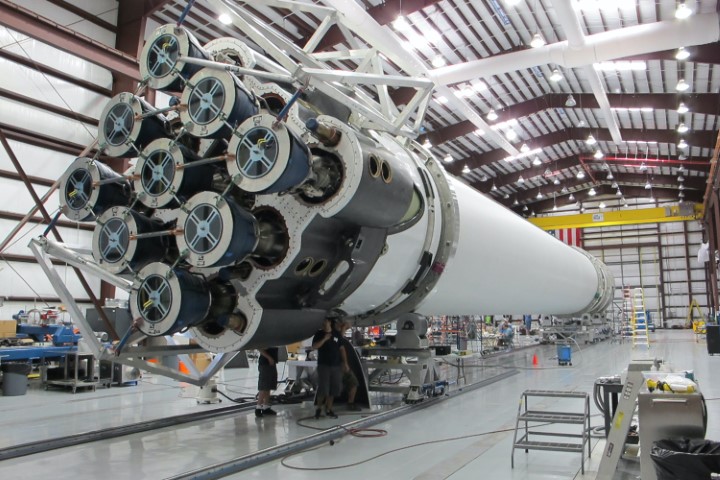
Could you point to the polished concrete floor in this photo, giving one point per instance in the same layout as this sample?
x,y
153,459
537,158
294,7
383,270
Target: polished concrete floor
x,y
467,436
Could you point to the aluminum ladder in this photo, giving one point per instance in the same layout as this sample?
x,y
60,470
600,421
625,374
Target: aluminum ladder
x,y
640,331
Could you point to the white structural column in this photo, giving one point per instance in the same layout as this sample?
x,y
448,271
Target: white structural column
x,y
576,40
625,42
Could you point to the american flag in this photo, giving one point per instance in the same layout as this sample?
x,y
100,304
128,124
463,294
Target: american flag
x,y
571,236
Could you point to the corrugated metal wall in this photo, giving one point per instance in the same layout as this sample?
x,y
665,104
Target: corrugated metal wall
x,y
656,258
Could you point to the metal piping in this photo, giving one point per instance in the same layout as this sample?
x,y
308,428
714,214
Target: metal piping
x,y
619,43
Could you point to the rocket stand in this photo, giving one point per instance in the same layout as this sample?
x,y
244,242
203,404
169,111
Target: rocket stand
x,y
411,357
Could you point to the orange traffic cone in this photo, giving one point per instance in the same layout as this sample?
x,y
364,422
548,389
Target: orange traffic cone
x,y
535,360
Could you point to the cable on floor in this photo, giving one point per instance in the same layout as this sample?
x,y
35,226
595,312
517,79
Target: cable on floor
x,y
355,432
284,463
240,400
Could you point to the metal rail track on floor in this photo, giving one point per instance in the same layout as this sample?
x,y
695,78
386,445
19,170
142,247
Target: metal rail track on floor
x,y
41,446
238,464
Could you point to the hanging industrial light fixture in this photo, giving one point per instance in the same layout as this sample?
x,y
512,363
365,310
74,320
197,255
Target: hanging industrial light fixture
x,y
598,154
556,76
571,197
602,205
438,61
524,148
556,181
614,185
492,116
570,102
521,179
683,11
592,192
682,86
648,185
493,188
682,54
618,193
448,158
537,41
682,128
516,202
610,176
682,109
539,195
683,144
536,161
580,175
681,178
466,169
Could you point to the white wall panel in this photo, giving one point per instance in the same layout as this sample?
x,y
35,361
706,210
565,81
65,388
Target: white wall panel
x,y
36,85
46,55
15,198
36,161
50,124
14,281
67,19
19,245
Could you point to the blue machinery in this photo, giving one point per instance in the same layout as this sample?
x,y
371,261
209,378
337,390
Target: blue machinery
x,y
62,337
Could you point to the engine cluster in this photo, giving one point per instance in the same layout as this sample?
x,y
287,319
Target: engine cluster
x,y
253,208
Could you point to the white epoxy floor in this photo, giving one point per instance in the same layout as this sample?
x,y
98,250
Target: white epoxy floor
x,y
172,451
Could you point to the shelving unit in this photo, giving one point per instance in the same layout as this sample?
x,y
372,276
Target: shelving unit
x,y
528,416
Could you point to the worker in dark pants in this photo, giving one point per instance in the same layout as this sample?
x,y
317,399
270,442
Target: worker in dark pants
x,y
329,367
349,380
267,381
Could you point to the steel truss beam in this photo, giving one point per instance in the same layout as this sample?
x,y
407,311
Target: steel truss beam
x,y
702,139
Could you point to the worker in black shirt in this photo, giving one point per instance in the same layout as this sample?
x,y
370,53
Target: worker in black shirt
x,y
329,359
267,381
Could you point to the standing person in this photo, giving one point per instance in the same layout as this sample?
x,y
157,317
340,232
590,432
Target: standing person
x,y
349,380
329,367
267,381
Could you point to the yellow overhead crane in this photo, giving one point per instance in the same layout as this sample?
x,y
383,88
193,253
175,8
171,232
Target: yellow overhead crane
x,y
675,213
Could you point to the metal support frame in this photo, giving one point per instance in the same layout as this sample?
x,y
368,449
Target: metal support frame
x,y
314,68
135,355
420,370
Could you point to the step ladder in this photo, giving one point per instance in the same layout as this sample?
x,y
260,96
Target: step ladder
x,y
640,331
529,418
626,322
